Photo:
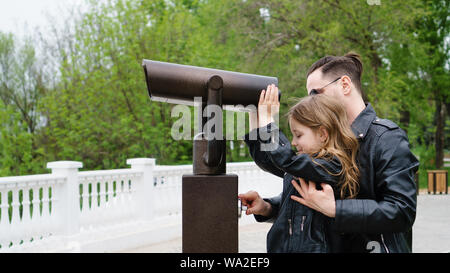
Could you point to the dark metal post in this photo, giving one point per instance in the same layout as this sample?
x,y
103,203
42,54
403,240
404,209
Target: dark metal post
x,y
209,213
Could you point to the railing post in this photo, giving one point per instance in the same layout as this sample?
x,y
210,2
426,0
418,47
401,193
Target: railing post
x,y
67,195
144,189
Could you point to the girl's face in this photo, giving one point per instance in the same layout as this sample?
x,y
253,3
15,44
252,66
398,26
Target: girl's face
x,y
305,139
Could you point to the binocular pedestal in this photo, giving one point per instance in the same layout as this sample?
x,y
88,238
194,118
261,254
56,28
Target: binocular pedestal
x,y
210,215
210,219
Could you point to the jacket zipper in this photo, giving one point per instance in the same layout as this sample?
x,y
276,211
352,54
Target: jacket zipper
x,y
303,223
384,244
290,219
290,226
291,214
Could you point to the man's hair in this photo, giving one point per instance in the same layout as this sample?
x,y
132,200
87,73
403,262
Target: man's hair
x,y
334,66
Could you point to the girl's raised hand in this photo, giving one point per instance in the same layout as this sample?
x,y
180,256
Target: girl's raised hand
x,y
268,105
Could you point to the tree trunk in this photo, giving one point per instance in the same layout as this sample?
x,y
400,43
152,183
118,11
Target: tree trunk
x,y
440,125
405,117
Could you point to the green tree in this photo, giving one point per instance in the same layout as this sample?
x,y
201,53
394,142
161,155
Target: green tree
x,y
21,86
100,112
21,81
433,31
87,100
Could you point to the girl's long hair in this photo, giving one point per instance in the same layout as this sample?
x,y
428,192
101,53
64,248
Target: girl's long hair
x,y
322,111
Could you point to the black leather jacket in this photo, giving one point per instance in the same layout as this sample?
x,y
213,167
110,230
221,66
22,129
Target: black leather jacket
x,y
296,228
377,220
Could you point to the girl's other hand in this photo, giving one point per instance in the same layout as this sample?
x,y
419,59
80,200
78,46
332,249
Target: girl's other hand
x,y
255,204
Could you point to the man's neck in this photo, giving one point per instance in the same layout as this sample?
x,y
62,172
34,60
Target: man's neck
x,y
354,108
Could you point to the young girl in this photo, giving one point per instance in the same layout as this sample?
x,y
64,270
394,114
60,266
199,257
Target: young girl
x,y
326,153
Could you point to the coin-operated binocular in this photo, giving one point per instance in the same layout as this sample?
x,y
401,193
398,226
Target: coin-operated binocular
x,y
209,194
181,84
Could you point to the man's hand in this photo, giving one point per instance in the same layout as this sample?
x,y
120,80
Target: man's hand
x,y
255,204
268,105
320,200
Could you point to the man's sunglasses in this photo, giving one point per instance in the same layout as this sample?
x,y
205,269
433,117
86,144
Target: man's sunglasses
x,y
318,91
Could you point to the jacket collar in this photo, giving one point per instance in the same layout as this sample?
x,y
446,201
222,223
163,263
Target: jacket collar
x,y
361,124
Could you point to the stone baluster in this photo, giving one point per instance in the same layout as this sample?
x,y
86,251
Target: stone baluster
x,y
4,220
26,215
16,227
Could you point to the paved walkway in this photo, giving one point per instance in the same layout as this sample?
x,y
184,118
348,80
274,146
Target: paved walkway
x,y
431,230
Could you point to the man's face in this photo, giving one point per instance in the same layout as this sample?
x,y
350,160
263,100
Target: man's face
x,y
317,80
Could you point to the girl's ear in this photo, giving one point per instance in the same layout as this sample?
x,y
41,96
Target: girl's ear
x,y
323,134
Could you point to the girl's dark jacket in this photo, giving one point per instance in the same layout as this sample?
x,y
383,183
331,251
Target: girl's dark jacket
x,y
377,220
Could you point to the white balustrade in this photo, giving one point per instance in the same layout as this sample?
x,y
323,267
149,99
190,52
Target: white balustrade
x,y
27,209
101,204
107,210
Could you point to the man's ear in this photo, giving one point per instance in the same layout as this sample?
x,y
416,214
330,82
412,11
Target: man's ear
x,y
323,134
346,84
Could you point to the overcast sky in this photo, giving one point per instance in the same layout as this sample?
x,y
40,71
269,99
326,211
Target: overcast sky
x,y
15,13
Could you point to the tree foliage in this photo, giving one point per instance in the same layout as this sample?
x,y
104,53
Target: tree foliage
x,y
92,105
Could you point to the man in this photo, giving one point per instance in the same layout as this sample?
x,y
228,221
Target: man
x,y
383,212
